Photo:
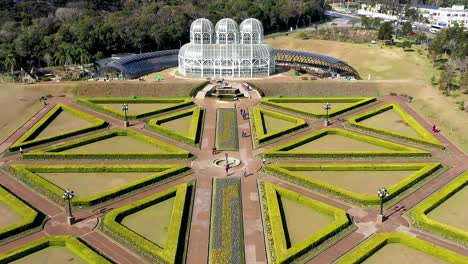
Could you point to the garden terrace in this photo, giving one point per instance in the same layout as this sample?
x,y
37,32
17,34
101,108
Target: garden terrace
x,y
60,122
138,107
226,228
339,143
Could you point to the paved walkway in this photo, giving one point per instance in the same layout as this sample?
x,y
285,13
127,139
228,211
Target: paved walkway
x,y
204,171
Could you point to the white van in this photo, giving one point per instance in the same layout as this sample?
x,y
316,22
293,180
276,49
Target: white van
x,y
434,29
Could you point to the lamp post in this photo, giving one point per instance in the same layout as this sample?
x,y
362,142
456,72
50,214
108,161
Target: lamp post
x,y
382,193
125,109
327,107
68,195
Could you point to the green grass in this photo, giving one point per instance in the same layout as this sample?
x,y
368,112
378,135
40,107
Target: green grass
x,y
390,120
9,215
53,254
400,253
118,144
452,210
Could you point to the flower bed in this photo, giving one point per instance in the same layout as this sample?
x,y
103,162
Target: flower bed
x,y
226,129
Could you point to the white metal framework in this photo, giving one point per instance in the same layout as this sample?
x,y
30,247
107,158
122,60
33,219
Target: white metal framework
x,y
226,50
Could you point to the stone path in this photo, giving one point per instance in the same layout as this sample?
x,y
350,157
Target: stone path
x,y
204,171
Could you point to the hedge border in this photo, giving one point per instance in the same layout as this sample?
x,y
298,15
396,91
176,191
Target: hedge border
x,y
426,137
168,254
161,173
194,135
70,242
197,88
221,190
276,244
420,211
233,129
286,171
35,130
94,102
375,243
259,124
356,102
31,217
399,150
55,152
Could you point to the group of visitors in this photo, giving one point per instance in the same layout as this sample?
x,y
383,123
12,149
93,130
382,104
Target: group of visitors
x,y
244,113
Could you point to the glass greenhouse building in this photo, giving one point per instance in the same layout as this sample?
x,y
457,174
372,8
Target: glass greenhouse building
x,y
226,50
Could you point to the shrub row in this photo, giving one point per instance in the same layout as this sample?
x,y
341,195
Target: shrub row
x,y
395,150
426,137
30,217
161,173
193,92
168,254
287,171
193,136
71,243
281,253
29,138
419,213
368,248
355,103
226,228
226,129
259,124
56,152
95,103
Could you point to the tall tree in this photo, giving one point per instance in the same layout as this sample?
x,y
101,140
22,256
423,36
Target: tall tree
x,y
10,63
385,31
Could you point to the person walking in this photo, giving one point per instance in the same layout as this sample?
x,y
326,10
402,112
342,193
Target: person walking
x,y
245,171
264,161
227,169
21,151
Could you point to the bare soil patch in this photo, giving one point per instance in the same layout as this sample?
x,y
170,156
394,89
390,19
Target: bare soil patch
x,y
337,143
51,255
8,216
451,211
117,144
399,253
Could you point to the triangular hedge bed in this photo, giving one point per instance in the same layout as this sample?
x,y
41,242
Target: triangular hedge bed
x,y
29,138
424,136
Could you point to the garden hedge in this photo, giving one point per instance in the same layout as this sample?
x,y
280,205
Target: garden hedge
x,y
70,242
162,173
30,217
395,150
226,129
274,229
97,104
425,136
419,213
371,246
196,124
287,172
56,152
355,103
168,254
226,228
259,124
193,92
29,139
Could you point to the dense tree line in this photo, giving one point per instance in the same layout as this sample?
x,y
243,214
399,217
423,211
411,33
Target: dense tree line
x,y
57,32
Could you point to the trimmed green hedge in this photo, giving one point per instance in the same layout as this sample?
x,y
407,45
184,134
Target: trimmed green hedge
x,y
356,102
30,217
71,243
274,229
97,104
287,171
419,213
194,134
259,124
29,138
56,152
371,246
395,150
161,174
226,129
198,87
426,136
168,254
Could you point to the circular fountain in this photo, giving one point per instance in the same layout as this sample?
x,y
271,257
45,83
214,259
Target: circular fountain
x,y
233,162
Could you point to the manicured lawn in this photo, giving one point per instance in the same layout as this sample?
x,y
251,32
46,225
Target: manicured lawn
x,y
152,222
226,129
364,182
337,143
117,144
87,184
271,124
315,107
391,121
453,211
399,253
51,255
300,221
64,122
8,216
138,108
180,125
